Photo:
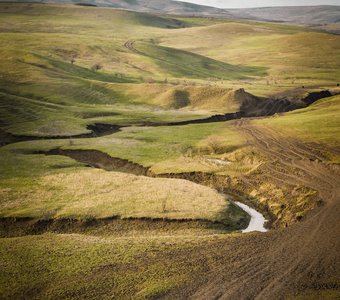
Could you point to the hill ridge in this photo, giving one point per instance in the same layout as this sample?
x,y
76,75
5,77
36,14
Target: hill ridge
x,y
311,14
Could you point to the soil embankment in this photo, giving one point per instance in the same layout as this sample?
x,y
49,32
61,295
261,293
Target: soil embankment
x,y
251,106
97,130
115,225
101,160
98,159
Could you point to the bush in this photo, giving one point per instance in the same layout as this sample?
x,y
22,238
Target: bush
x,y
215,145
96,67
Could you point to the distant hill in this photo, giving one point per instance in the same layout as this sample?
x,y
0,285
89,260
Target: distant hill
x,y
167,6
313,15
151,6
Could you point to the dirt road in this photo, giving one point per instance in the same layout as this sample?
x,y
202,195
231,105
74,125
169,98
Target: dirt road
x,y
298,260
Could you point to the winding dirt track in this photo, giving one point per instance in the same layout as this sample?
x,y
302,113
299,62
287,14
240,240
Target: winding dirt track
x,y
292,261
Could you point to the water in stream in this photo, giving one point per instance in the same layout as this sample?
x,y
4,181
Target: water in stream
x,y
257,220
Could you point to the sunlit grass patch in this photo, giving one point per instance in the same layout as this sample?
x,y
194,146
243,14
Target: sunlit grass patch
x,y
99,194
319,123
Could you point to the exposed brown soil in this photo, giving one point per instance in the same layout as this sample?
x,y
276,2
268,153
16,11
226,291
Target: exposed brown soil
x,y
300,93
221,183
315,96
251,106
97,130
117,226
242,187
303,257
101,160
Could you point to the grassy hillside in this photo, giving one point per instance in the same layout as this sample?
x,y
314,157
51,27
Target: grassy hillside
x,y
98,194
48,75
323,14
50,89
151,6
65,260
178,63
48,83
186,97
317,124
305,58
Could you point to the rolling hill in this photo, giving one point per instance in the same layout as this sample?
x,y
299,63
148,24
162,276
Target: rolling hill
x,y
312,15
151,6
315,15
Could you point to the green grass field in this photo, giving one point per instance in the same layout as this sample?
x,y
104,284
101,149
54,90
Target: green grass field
x,y
318,124
47,73
110,265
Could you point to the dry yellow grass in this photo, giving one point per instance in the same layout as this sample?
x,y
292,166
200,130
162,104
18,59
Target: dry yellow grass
x,y
100,194
211,98
185,164
293,56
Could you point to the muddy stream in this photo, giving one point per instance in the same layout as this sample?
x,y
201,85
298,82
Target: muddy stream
x,y
257,220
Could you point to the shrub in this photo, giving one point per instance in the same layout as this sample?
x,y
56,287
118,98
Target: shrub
x,y
96,67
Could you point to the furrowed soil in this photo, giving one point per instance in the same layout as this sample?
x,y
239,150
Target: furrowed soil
x,y
286,262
